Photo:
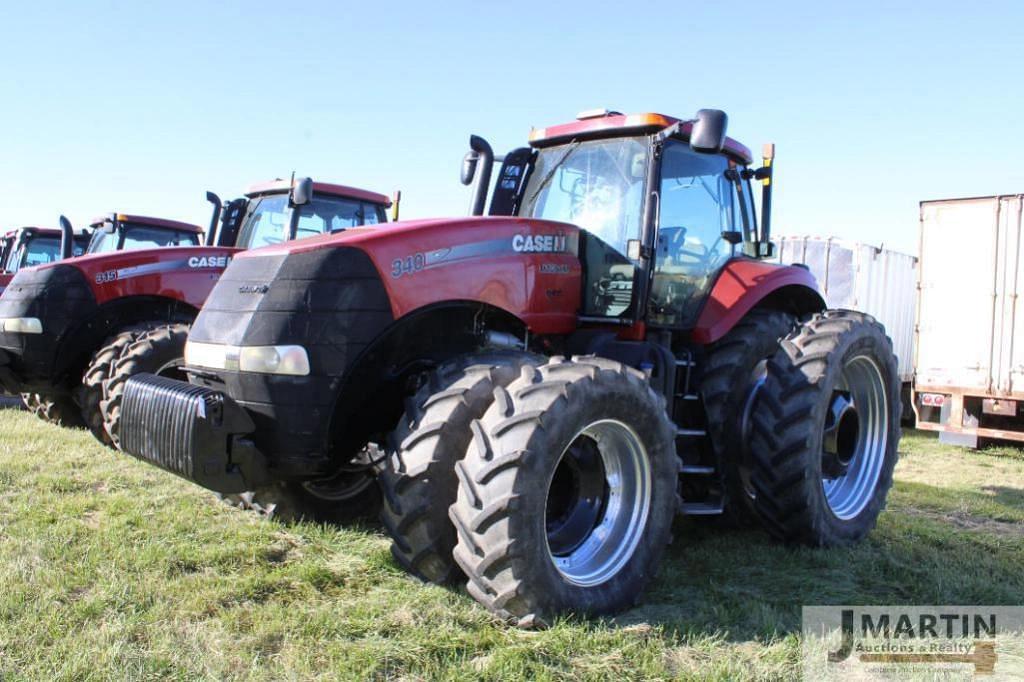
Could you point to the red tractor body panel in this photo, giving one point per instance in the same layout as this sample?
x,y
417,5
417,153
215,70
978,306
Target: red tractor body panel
x,y
182,273
740,286
528,268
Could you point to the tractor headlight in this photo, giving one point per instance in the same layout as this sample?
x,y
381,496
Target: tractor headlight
x,y
291,360
22,325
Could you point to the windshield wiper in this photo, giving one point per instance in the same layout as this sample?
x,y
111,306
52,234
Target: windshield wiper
x,y
573,146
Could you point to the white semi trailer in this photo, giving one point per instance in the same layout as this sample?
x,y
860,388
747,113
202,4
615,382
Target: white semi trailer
x,y
868,278
969,381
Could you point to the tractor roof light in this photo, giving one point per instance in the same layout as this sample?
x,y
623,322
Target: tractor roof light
x,y
596,113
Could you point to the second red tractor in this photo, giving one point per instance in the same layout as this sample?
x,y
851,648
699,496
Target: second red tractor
x,y
73,331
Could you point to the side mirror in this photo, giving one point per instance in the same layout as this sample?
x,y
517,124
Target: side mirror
x,y
109,224
708,133
302,192
734,237
633,250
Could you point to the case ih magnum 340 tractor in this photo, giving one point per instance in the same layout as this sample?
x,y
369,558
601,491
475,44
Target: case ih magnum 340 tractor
x,y
73,332
551,384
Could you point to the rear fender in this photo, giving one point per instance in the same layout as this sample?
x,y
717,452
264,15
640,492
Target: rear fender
x,y
744,284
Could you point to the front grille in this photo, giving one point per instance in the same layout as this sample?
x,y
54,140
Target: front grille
x,y
190,431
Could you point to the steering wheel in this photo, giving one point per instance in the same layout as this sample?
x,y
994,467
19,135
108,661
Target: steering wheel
x,y
676,247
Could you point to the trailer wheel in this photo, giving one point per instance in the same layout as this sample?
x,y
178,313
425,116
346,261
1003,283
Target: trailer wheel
x,y
61,410
90,393
733,374
567,492
418,475
826,431
159,350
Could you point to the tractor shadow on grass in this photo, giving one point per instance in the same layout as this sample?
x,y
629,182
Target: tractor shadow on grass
x,y
740,585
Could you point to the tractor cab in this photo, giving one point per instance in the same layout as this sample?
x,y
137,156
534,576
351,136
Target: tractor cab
x,y
662,205
29,246
281,210
121,232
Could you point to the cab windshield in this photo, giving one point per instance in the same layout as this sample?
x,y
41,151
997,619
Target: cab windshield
x,y
599,186
131,236
269,216
38,251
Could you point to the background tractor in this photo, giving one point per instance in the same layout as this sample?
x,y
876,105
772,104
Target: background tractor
x,y
73,331
29,246
551,384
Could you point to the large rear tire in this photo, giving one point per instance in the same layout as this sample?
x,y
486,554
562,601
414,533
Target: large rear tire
x,y
418,477
159,350
733,373
60,410
826,431
567,492
90,393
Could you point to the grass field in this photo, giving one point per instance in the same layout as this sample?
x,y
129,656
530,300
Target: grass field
x,y
111,569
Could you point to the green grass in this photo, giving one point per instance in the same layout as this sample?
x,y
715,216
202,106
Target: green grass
x,y
112,569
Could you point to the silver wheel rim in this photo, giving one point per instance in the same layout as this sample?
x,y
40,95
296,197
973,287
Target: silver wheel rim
x,y
848,494
611,540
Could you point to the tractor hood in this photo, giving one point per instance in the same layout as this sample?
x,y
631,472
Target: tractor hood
x,y
529,268
184,273
77,301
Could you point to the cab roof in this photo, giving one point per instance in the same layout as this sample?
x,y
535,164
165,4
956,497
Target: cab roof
x,y
146,220
614,124
276,186
45,231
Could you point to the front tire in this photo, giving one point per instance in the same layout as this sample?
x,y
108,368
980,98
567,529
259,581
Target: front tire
x,y
90,393
826,431
60,410
160,350
418,477
567,493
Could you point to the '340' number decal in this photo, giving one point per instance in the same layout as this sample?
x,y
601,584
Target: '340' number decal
x,y
408,265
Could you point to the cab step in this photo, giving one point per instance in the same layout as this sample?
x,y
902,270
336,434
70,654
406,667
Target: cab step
x,y
696,469
700,509
690,433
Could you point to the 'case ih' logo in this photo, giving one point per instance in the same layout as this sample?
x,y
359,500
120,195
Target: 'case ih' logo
x,y
209,261
540,243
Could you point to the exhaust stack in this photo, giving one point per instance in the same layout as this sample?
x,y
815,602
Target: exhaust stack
x,y
211,234
67,238
476,169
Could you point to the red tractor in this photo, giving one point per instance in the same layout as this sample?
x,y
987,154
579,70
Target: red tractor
x,y
551,384
73,331
29,246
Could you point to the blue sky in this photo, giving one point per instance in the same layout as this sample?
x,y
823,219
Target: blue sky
x,y
142,107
